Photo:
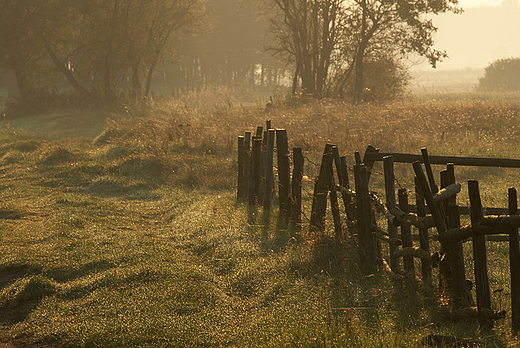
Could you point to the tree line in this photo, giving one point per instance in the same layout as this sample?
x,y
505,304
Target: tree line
x,y
107,50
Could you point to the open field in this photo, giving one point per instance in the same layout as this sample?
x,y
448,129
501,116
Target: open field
x,y
122,228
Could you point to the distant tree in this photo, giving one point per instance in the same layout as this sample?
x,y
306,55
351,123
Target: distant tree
x,y
502,75
95,44
20,51
336,37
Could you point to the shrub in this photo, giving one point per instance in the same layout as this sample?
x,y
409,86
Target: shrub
x,y
502,75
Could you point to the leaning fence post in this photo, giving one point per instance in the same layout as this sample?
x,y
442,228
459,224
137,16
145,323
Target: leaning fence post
x,y
479,256
406,233
388,167
296,188
514,264
284,180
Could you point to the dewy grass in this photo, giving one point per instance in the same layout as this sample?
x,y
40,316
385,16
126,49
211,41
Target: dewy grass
x,y
136,239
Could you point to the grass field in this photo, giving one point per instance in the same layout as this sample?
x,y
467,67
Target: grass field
x,y
122,229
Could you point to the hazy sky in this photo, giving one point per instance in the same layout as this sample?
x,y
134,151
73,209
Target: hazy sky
x,y
487,30
476,3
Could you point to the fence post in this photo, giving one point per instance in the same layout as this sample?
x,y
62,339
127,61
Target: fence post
x,y
334,196
424,241
364,218
369,162
479,256
254,195
282,156
388,167
241,169
296,188
269,156
514,264
406,233
321,190
247,164
461,294
347,200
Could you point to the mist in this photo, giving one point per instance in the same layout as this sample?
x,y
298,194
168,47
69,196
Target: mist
x,y
472,40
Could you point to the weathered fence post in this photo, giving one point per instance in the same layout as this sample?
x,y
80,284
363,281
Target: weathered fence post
x,y
241,184
247,164
321,190
284,179
479,256
368,160
364,219
514,264
296,188
455,253
406,233
427,165
254,191
269,156
334,196
424,241
388,167
347,200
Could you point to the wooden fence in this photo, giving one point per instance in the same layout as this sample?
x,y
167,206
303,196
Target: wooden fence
x,y
434,208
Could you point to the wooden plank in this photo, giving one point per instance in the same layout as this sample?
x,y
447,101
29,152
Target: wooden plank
x,y
464,210
479,256
460,161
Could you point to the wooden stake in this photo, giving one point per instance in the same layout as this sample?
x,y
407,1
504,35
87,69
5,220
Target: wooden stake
x,y
479,256
296,188
388,166
514,264
268,196
284,180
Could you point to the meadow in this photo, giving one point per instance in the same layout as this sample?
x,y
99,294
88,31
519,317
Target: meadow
x,y
121,228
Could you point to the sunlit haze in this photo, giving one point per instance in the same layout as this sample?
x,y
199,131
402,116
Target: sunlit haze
x,y
480,35
477,3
